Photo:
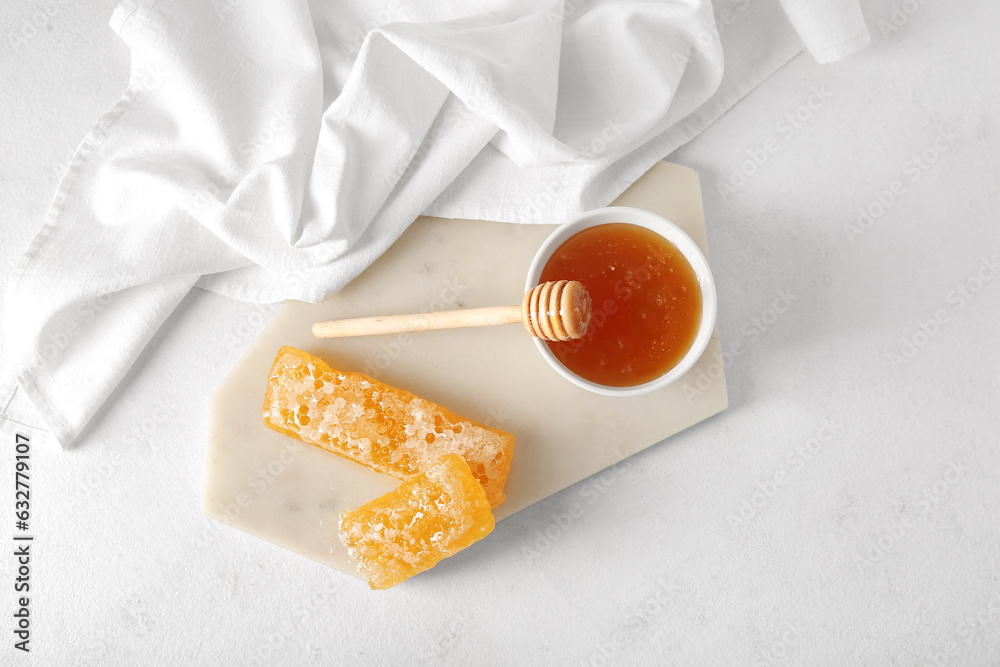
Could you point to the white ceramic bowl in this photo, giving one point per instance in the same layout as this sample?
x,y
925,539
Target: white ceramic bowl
x,y
667,230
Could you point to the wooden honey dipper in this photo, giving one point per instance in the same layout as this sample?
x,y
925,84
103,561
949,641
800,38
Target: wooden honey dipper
x,y
557,310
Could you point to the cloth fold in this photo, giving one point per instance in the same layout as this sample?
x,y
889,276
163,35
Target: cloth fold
x,y
830,29
273,152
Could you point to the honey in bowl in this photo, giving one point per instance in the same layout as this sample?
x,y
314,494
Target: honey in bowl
x,y
647,304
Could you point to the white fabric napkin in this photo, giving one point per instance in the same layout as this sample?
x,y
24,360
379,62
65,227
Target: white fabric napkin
x,y
272,151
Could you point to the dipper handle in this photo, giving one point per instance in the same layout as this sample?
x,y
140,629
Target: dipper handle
x,y
391,324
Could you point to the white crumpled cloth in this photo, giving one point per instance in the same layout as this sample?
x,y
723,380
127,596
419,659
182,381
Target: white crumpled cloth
x,y
272,150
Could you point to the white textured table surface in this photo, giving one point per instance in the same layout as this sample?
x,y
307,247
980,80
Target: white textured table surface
x,y
843,510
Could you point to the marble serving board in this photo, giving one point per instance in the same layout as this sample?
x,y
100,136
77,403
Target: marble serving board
x,y
291,494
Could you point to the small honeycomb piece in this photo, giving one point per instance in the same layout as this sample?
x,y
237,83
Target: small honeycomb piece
x,y
426,519
387,429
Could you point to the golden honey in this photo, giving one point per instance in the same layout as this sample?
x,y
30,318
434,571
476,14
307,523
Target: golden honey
x,y
647,303
427,518
387,429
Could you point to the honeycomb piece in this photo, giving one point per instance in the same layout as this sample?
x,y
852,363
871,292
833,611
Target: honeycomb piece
x,y
387,429
427,518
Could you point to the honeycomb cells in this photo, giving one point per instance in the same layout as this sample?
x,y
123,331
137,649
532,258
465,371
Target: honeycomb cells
x,y
429,517
387,429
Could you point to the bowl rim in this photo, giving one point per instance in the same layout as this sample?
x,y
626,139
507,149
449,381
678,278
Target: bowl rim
x,y
671,232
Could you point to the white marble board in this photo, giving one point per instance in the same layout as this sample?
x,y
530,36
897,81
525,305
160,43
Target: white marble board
x,y
291,494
